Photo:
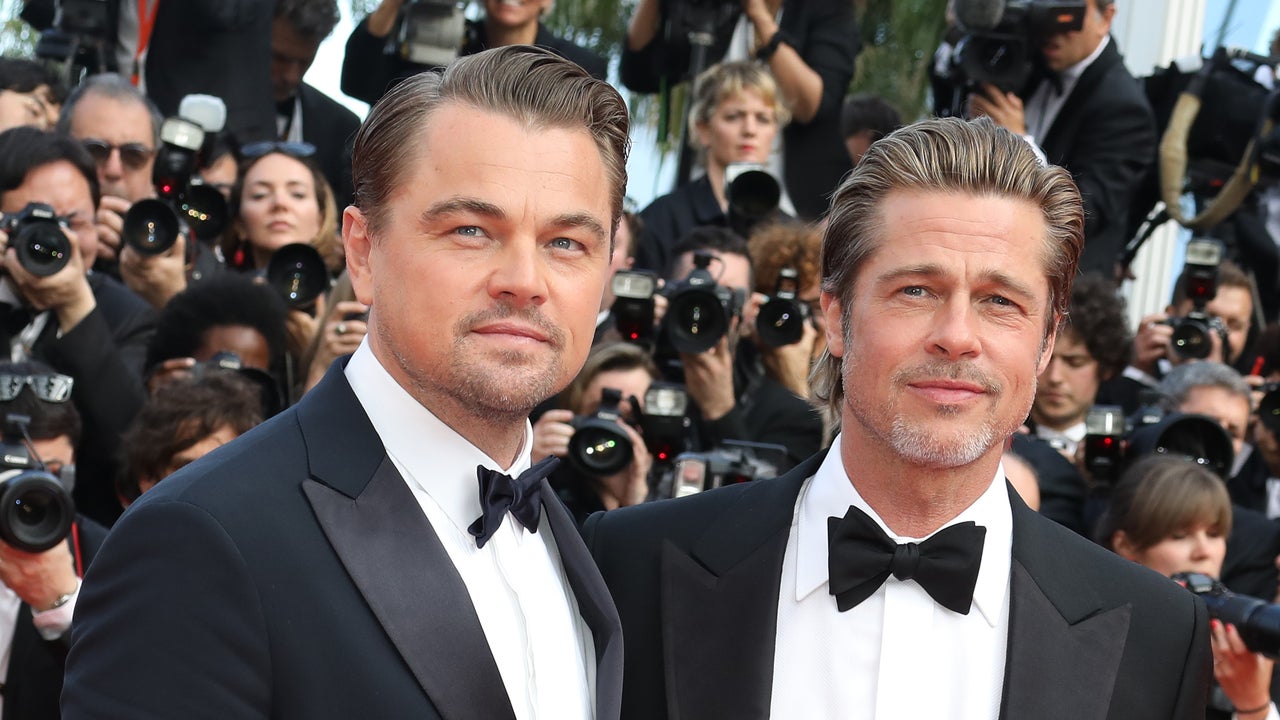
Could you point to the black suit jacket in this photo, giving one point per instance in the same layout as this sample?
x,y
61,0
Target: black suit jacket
x,y
34,680
291,574
331,127
1105,135
825,34
696,582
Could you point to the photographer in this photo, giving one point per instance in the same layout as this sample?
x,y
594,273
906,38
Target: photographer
x,y
796,247
38,591
622,367
1087,114
1172,516
85,324
734,398
369,69
30,94
736,112
808,45
866,118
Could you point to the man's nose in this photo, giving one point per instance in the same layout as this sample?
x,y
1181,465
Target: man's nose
x,y
519,276
954,334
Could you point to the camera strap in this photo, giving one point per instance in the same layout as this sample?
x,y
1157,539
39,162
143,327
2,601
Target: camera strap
x,y
146,22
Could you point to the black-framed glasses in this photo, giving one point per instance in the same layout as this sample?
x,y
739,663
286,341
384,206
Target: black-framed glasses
x,y
54,388
133,155
292,149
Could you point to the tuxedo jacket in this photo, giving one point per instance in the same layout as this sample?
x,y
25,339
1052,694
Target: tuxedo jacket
x,y
696,581
292,574
1105,135
332,129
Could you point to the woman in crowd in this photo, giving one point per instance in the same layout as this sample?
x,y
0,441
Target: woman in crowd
x,y
623,367
1173,515
736,113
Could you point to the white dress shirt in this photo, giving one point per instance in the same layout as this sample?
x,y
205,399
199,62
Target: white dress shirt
x,y
898,654
1065,441
543,649
1046,102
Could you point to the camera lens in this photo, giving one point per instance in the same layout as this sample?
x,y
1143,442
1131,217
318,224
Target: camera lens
x,y
298,273
35,511
42,248
1191,339
205,211
780,322
696,321
599,447
150,227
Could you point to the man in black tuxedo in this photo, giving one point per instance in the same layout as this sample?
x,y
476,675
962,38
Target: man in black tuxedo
x,y
948,263
303,113
1089,115
337,561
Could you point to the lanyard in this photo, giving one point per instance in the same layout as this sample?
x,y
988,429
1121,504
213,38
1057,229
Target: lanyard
x,y
146,21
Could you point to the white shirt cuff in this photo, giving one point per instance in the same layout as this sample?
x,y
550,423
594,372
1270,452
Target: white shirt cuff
x,y
53,624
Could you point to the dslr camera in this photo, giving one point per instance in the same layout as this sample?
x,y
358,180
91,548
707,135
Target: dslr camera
x,y
731,463
699,311
36,234
599,446
152,225
1001,42
782,317
36,509
1258,621
1112,441
1192,333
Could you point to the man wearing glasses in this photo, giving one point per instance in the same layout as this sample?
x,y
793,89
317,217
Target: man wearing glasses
x,y
86,325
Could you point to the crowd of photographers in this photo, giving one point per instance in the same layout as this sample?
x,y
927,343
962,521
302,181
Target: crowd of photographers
x,y
172,276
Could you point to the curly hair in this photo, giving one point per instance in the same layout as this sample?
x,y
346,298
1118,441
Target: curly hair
x,y
1097,317
224,299
786,244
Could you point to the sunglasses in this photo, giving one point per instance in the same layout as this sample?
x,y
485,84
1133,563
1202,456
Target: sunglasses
x,y
54,388
292,149
133,155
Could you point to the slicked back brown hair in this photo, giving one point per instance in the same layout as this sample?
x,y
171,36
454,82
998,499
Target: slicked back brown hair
x,y
530,85
946,155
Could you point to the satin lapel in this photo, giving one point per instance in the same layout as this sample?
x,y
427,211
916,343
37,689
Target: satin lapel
x,y
594,602
1064,648
395,559
720,604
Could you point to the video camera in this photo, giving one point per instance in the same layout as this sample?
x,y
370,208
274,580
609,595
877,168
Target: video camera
x,y
36,509
1001,43
1257,620
733,462
152,225
1112,441
36,235
699,311
1191,334
782,317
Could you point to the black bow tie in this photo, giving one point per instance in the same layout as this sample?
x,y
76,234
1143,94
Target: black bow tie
x,y
1054,79
500,493
861,557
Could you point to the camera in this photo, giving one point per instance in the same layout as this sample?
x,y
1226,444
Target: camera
x,y
431,32
1258,621
78,38
1001,42
36,509
1104,430
269,390
1192,338
298,273
734,462
599,446
152,225
1112,442
782,317
699,311
752,195
632,308
36,234
664,420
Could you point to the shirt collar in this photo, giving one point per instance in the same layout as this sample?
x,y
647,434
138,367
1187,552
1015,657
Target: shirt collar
x,y
432,455
1073,73
830,493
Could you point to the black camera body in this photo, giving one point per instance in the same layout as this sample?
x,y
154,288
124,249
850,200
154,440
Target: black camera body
x,y
1257,621
699,311
632,307
1001,42
1112,442
152,225
781,318
36,509
1192,339
732,463
599,446
36,234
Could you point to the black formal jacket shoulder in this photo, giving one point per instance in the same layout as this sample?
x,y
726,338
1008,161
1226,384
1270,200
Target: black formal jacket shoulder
x,y
331,127
34,680
696,582
825,34
292,574
670,217
1105,135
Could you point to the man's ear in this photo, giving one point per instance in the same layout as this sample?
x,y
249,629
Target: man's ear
x,y
832,311
358,246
